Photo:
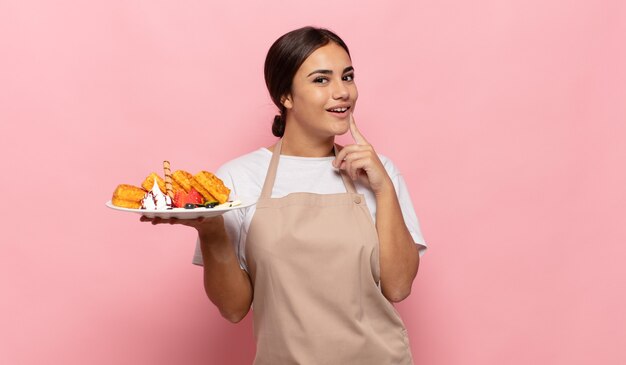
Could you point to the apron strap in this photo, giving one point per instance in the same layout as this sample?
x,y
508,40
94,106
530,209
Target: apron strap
x,y
266,193
268,185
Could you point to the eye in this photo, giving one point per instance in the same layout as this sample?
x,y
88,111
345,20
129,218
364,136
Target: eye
x,y
320,80
348,77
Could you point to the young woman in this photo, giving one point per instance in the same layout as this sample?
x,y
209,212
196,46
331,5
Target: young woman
x,y
333,238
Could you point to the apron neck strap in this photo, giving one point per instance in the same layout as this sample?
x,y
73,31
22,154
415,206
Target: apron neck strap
x,y
268,185
271,171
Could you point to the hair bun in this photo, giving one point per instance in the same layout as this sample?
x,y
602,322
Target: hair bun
x,y
278,127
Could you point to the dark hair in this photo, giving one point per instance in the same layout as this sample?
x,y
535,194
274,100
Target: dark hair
x,y
283,60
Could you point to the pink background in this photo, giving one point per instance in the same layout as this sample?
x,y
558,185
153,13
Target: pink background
x,y
507,119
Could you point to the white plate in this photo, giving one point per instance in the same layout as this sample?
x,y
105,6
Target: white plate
x,y
182,213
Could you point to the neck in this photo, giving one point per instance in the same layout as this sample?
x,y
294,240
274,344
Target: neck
x,y
296,145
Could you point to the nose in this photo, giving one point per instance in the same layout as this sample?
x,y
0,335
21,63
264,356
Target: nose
x,y
341,91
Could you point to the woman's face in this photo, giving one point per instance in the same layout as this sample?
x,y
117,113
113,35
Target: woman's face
x,y
323,93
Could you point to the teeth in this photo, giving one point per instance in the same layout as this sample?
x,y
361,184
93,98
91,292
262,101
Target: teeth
x,y
339,110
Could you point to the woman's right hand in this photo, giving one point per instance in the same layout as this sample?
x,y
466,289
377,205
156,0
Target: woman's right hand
x,y
204,226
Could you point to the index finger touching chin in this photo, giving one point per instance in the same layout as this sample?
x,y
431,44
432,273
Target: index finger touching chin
x,y
356,134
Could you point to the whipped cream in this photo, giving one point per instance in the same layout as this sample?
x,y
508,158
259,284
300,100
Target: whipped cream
x,y
155,199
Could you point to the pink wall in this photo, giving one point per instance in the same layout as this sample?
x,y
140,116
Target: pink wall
x,y
506,117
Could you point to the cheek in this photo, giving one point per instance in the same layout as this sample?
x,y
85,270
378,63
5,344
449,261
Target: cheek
x,y
311,100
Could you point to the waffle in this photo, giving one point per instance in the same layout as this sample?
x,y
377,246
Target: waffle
x,y
148,183
128,196
213,185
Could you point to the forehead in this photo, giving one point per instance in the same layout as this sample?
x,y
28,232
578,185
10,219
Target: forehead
x,y
328,57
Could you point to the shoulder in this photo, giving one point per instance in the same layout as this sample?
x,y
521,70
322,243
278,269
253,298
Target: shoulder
x,y
245,174
245,164
391,168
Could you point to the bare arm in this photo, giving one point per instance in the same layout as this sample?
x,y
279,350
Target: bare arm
x,y
399,258
225,283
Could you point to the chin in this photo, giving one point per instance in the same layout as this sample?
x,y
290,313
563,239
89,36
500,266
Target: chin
x,y
341,130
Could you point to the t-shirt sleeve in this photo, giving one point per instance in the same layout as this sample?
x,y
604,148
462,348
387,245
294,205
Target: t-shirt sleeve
x,y
406,205
233,222
408,213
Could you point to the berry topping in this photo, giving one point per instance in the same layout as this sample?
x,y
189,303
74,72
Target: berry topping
x,y
193,197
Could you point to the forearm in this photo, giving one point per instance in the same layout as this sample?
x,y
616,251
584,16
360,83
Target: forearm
x,y
399,258
225,283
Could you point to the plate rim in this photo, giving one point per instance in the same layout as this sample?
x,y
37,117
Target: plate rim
x,y
245,203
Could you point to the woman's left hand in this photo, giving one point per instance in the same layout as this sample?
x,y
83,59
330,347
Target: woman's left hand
x,y
361,162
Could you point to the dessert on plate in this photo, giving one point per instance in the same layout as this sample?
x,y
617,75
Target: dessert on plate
x,y
177,190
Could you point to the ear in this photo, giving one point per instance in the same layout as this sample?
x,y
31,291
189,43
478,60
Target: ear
x,y
286,101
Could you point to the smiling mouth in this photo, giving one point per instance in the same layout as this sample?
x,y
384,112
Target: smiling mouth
x,y
338,110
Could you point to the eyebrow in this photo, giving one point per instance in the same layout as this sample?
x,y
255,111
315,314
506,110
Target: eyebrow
x,y
329,72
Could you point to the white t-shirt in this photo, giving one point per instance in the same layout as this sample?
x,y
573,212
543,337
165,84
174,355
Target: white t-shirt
x,y
245,176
